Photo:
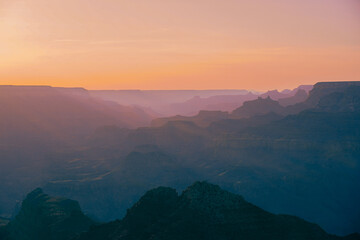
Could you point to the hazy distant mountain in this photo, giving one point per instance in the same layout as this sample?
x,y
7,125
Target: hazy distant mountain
x,y
258,107
35,113
261,106
306,88
203,211
232,124
217,105
161,100
231,102
300,96
213,103
47,218
276,95
202,119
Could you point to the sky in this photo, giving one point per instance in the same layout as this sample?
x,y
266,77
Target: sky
x,y
179,44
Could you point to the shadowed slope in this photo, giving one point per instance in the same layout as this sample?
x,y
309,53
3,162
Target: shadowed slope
x,y
203,211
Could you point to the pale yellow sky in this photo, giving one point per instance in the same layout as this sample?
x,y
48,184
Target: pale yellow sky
x,y
178,44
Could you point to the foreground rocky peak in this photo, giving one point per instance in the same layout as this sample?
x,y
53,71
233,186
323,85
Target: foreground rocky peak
x,y
44,217
203,195
203,211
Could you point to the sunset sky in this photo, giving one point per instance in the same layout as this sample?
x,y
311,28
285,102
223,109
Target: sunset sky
x,y
179,44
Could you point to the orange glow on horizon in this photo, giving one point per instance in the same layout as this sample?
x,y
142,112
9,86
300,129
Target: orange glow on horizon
x,y
177,44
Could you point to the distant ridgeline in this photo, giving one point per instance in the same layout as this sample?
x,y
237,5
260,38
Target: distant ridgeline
x,y
272,102
297,155
202,211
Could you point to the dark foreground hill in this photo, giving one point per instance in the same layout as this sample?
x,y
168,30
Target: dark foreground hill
x,y
46,218
203,211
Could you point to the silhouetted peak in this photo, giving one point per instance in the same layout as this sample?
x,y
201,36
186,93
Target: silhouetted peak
x,y
257,107
307,88
35,193
203,187
37,199
250,94
301,92
160,194
286,91
274,94
300,96
209,197
46,217
260,101
203,211
152,205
